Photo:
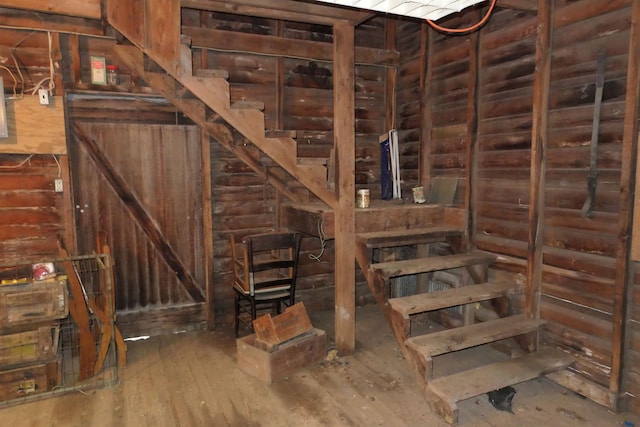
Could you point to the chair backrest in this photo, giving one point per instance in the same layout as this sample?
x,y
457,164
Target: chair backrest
x,y
273,260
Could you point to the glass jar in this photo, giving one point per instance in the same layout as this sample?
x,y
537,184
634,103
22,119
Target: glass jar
x,y
112,75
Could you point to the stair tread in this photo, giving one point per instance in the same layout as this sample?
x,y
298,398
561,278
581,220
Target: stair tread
x,y
249,105
212,73
421,303
463,337
280,133
385,239
474,382
435,263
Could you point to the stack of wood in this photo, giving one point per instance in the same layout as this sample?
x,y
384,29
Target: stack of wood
x,y
281,345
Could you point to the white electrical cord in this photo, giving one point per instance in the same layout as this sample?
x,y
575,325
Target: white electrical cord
x,y
323,241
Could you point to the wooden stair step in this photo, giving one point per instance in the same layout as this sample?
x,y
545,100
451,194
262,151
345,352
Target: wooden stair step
x,y
421,303
463,337
253,105
435,263
386,239
211,73
277,133
474,382
311,161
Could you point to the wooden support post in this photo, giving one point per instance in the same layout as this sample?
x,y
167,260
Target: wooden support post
x,y
538,146
344,211
207,225
629,181
471,163
426,70
423,251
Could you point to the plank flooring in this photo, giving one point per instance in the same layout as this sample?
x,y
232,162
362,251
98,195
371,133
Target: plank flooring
x,y
192,379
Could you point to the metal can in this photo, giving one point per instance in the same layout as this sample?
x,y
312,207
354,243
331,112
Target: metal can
x,y
363,198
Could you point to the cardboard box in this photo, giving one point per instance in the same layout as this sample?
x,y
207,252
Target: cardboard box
x,y
284,360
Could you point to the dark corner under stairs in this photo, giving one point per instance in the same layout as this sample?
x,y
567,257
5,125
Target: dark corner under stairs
x,y
473,289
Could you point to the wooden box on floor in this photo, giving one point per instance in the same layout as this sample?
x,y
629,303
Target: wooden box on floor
x,y
283,361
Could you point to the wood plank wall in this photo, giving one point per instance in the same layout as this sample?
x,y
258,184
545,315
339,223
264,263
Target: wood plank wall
x,y
579,252
32,215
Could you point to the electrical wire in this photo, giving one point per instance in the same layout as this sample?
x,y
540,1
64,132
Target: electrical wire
x,y
19,165
59,167
468,29
323,241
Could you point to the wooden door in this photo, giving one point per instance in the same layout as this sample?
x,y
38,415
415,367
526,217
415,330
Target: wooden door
x,y
141,185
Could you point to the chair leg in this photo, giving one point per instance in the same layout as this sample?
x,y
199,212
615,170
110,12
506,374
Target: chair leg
x,y
236,321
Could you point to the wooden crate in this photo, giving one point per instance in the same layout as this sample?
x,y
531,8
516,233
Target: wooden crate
x,y
37,343
32,302
272,331
283,361
28,380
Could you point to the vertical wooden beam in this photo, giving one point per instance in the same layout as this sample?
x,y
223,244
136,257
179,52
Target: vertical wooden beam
x,y
426,75
75,68
538,146
207,228
471,163
344,145
67,206
56,56
391,77
628,183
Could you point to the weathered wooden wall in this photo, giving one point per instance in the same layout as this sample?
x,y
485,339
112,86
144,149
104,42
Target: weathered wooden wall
x,y
579,256
33,217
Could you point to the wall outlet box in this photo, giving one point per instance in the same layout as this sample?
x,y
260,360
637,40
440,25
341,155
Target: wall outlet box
x,y
57,185
43,94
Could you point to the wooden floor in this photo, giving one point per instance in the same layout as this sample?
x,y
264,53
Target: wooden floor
x,y
192,379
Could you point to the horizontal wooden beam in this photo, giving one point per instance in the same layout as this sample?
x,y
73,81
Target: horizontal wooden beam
x,y
14,18
530,5
80,8
271,45
287,10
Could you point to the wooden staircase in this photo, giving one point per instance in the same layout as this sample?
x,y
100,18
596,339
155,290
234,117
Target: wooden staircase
x,y
204,97
445,392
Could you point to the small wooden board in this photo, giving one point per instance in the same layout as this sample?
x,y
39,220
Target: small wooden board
x,y
474,382
272,331
426,265
424,302
470,336
413,236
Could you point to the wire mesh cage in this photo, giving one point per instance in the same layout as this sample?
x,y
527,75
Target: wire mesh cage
x,y
57,331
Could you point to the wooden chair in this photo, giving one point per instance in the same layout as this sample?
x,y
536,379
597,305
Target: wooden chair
x,y
265,267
